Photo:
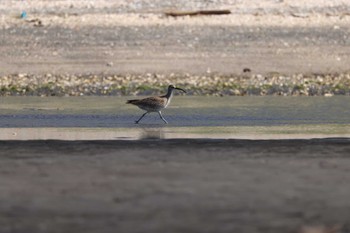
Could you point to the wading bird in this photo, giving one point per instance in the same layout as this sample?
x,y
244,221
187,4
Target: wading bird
x,y
155,103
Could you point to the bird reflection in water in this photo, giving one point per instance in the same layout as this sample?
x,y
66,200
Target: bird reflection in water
x,y
152,133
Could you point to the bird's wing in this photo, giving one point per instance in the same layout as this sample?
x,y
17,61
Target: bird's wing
x,y
150,102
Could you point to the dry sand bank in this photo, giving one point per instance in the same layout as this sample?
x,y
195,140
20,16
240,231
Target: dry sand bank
x,y
97,37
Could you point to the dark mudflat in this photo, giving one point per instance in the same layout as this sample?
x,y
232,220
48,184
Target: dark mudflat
x,y
174,185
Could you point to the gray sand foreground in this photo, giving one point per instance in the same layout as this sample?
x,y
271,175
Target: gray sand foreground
x,y
174,186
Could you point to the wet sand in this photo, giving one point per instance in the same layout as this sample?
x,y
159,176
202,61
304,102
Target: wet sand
x,y
174,185
109,118
99,183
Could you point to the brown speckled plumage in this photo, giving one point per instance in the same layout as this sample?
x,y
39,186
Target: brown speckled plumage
x,y
151,104
155,103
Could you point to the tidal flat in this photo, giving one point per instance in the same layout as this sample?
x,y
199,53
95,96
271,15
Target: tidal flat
x,y
189,117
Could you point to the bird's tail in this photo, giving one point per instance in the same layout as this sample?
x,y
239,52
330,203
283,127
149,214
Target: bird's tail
x,y
131,101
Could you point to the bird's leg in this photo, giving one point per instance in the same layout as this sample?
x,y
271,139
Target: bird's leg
x,y
136,122
161,117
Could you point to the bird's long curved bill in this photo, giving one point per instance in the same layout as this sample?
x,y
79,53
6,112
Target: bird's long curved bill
x,y
180,89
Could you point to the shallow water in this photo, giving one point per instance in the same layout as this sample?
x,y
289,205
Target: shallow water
x,y
223,117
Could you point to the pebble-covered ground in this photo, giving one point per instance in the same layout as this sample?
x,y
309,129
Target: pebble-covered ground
x,y
149,84
264,47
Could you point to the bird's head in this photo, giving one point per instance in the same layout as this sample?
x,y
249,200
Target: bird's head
x,y
172,87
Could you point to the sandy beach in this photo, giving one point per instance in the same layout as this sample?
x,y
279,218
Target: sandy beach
x,y
259,144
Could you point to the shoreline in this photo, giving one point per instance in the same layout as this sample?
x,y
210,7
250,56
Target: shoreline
x,y
210,84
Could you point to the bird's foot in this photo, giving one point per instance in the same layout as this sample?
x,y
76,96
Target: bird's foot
x,y
136,122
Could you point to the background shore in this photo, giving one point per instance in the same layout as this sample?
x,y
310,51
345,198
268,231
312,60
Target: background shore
x,y
87,47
